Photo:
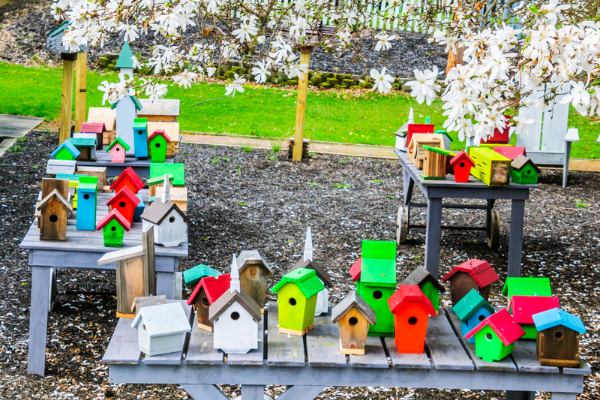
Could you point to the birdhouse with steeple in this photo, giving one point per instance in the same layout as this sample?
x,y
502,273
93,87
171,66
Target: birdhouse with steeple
x,y
125,61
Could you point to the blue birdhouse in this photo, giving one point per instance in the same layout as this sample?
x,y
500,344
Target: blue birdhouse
x,y
140,137
471,310
139,209
86,206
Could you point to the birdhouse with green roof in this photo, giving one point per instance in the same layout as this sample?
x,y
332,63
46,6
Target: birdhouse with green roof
x,y
125,61
471,310
118,149
127,111
175,170
193,275
297,300
527,286
86,147
140,137
66,151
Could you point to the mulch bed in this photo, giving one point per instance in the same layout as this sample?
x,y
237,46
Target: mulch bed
x,y
244,200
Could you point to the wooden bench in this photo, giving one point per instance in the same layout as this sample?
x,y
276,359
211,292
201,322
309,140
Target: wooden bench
x,y
309,364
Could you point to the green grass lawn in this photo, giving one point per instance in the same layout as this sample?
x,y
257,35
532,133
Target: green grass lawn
x,y
330,116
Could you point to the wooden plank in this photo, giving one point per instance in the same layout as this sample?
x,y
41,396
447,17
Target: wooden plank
x,y
166,107
323,343
149,262
374,356
282,349
120,255
200,348
176,357
406,361
444,347
253,357
584,369
525,357
54,167
123,347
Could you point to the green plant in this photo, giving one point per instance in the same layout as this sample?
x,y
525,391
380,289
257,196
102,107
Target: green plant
x,y
581,204
311,154
312,184
247,149
215,160
275,146
242,204
377,181
238,169
340,186
389,196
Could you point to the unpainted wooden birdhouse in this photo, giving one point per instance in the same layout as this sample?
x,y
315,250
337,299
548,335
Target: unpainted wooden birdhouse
x,y
354,316
472,274
207,291
254,273
428,285
471,310
522,308
127,178
411,309
55,210
558,335
124,201
161,328
495,336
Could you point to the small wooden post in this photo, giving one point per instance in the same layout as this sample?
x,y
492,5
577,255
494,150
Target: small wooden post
x,y
301,106
149,266
80,90
67,96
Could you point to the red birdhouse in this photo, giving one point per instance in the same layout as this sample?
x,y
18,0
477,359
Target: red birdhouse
x,y
128,178
124,201
462,165
411,309
511,152
418,128
473,274
501,136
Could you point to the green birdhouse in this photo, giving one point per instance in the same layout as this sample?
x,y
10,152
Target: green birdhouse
x,y
495,336
528,286
157,143
430,286
113,228
66,151
297,300
523,170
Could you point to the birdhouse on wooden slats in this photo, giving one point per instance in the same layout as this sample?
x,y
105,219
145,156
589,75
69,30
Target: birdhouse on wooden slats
x,y
472,274
418,128
206,292
55,40
156,182
471,310
147,301
86,147
355,272
462,164
157,143
140,137
126,112
161,329
177,170
86,210
97,128
128,178
354,316
193,275
297,299
254,273
66,151
55,210
495,336
510,152
118,150
411,309
428,285
522,308
526,286
124,201
139,209
523,170
491,168
558,338
113,228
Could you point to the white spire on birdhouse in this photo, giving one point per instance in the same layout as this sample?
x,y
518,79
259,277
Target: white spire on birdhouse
x,y
234,286
166,194
411,116
308,246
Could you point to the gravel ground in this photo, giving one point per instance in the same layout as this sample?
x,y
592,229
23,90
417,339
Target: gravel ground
x,y
243,200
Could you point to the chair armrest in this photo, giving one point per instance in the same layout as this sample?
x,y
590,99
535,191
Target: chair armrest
x,y
572,135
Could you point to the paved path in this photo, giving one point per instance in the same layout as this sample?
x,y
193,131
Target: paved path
x,y
13,127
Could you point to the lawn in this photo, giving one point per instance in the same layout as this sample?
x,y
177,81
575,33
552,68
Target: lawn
x,y
268,112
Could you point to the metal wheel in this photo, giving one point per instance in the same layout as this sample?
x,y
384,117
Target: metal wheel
x,y
493,239
402,233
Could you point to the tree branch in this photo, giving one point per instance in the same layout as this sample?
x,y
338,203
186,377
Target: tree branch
x,y
205,101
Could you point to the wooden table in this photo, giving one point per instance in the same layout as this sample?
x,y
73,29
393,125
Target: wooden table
x,y
313,362
141,166
81,251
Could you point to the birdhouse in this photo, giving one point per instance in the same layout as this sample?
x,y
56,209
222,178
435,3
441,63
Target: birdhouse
x,y
526,286
418,152
55,210
558,338
355,272
140,137
193,275
124,201
125,62
418,128
235,317
161,329
157,142
354,316
495,336
55,40
447,138
430,286
523,170
98,128
491,168
522,308
147,301
128,178
254,272
177,170
471,310
118,149
501,136
86,210
297,299
113,228
73,183
411,309
434,163
472,274
156,182
66,151
462,164
126,108
510,152
206,292
378,282
86,147
139,209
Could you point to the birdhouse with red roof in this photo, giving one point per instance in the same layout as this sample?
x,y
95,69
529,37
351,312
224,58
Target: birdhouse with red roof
x,y
473,274
206,292
113,228
411,309
462,165
495,336
510,152
128,178
118,149
522,308
97,128
355,272
157,142
558,338
126,202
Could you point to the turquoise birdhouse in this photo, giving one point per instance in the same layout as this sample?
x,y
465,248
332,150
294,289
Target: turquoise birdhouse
x,y
140,137
86,206
139,209
472,310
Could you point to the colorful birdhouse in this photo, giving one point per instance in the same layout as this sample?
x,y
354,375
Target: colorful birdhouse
x,y
501,136
139,209
510,152
558,338
66,151
462,164
86,147
418,128
472,274
113,228
86,210
355,272
354,316
140,137
523,170
125,62
471,310
98,128
193,275
127,108
177,170
73,183
411,309
124,201
522,308
297,299
118,149
254,273
490,167
157,142
206,292
128,178
161,329
55,210
495,336
526,286
156,182
428,285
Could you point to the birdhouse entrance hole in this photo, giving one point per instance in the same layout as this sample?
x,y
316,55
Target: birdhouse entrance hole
x,y
172,219
292,301
235,315
86,196
558,335
413,321
205,303
53,218
114,228
253,270
353,321
157,145
117,149
462,164
481,317
377,295
528,171
122,204
488,336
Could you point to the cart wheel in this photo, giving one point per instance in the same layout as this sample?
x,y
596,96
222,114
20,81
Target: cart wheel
x,y
493,240
402,233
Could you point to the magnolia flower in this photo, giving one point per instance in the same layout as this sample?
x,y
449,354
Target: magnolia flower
x,y
156,91
235,86
384,41
383,81
297,70
424,87
130,32
136,63
210,71
552,11
244,32
185,78
521,124
579,97
261,72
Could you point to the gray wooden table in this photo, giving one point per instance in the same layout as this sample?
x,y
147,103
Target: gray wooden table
x,y
141,166
437,190
81,251
309,364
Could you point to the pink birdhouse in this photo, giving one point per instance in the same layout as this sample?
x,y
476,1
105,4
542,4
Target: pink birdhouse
x,y
117,149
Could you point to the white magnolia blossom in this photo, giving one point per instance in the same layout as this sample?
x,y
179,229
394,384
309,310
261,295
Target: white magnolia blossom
x,y
424,88
384,41
383,81
261,72
235,86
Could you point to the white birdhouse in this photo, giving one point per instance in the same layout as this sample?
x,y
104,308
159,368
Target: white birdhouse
x,y
161,328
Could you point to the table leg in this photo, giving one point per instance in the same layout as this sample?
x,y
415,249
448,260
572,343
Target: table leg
x,y
253,392
38,319
199,392
52,288
488,217
301,392
520,395
164,284
409,185
433,235
515,247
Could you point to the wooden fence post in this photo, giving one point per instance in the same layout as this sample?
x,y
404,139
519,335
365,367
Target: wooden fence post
x,y
454,59
301,106
80,90
67,96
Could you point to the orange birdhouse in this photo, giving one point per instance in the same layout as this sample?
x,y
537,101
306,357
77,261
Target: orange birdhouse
x,y
411,309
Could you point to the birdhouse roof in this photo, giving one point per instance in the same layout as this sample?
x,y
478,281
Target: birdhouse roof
x,y
55,194
409,294
470,304
419,276
159,132
462,155
252,257
130,174
126,194
554,317
125,57
140,123
228,298
503,324
378,249
193,275
355,269
93,127
158,180
60,28
163,319
378,272
118,141
527,286
158,211
445,133
523,308
481,271
510,152
134,99
214,287
175,169
321,273
353,300
305,279
82,142
120,255
116,215
87,187
520,162
70,148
